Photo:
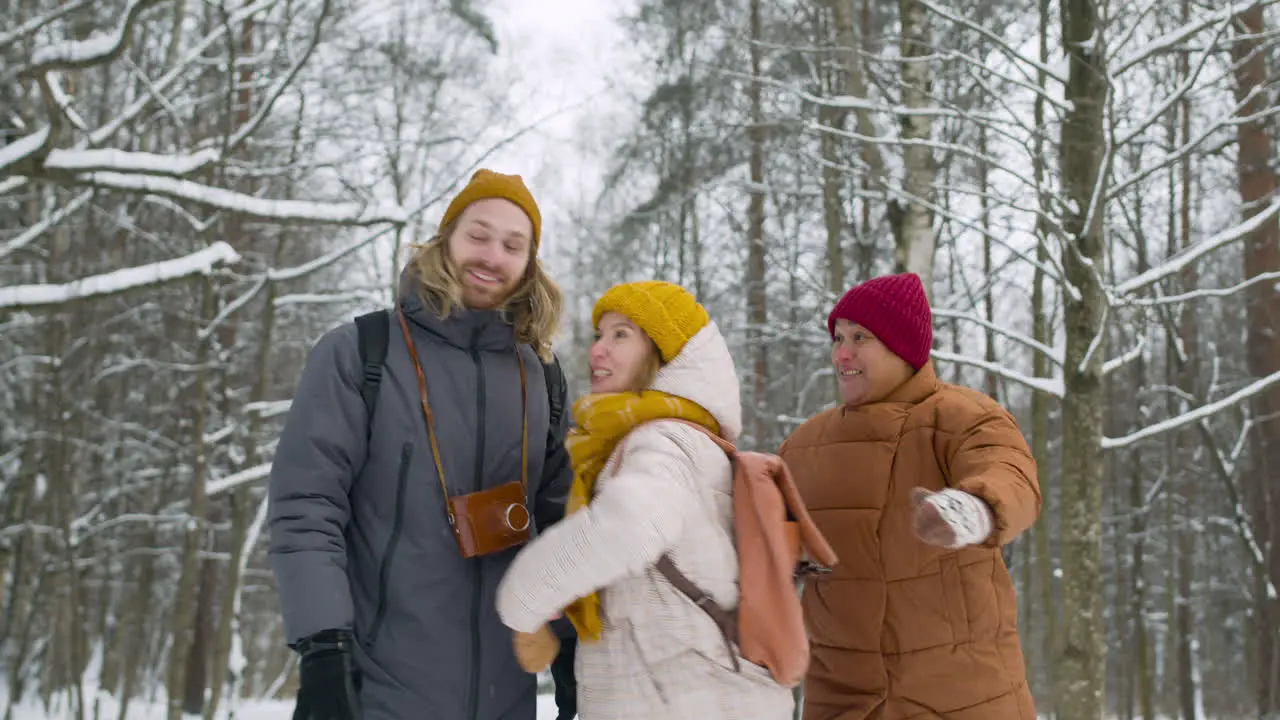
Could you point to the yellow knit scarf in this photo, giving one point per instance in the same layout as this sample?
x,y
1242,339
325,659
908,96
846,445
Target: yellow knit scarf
x,y
602,421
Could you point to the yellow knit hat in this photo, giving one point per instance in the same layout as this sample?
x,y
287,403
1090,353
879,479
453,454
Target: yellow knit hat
x,y
490,184
666,312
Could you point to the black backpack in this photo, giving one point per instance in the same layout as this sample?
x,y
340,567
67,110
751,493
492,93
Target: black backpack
x,y
374,332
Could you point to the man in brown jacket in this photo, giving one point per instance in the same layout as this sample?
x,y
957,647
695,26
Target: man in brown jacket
x,y
917,484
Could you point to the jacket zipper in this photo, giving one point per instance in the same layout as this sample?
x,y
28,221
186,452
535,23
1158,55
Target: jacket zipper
x,y
477,587
384,571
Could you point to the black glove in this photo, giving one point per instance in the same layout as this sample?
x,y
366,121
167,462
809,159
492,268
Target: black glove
x,y
330,680
565,681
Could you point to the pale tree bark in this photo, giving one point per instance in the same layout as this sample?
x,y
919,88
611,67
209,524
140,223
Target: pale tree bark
x,y
856,86
832,202
832,177
1140,675
915,241
1080,663
1186,481
1047,616
991,382
1257,182
757,303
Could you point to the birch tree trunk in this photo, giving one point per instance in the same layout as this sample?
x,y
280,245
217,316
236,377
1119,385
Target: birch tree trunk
x,y
1047,616
757,307
915,248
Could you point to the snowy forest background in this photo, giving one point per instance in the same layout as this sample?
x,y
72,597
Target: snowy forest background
x,y
192,191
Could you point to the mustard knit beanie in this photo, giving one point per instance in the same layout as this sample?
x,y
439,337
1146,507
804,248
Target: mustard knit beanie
x,y
666,312
489,184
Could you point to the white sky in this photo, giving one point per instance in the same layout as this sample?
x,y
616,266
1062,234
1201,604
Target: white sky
x,y
563,51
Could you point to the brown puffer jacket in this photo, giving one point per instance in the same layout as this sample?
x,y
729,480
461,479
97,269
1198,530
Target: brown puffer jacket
x,y
902,629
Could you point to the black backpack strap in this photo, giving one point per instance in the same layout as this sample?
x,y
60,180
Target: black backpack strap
x,y
374,332
555,391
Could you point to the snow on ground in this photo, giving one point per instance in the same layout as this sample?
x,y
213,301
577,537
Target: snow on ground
x,y
250,710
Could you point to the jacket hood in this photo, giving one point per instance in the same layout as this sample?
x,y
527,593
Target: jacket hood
x,y
463,328
703,372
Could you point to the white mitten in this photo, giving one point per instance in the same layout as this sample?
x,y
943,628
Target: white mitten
x,y
967,516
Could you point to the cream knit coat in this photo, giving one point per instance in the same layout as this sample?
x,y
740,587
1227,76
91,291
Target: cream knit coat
x,y
668,491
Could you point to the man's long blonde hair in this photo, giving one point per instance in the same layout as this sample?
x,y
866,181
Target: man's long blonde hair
x,y
534,308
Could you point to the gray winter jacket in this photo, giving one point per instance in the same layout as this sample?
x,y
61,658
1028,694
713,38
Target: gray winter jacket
x,y
360,538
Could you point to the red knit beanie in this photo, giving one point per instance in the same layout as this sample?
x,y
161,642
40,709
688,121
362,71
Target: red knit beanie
x,y
895,309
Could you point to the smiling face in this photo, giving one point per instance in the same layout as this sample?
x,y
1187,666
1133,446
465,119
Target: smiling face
x,y
490,250
623,358
867,371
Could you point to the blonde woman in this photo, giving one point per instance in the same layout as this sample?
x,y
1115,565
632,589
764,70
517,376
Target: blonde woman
x,y
405,426
646,486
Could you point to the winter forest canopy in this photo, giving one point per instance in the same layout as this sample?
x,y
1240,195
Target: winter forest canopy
x,y
192,191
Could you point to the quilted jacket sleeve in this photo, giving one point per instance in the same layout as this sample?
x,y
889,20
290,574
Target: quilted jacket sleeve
x,y
988,456
637,515
321,450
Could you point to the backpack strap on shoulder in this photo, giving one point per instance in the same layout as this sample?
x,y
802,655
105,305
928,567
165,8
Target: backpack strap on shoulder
x,y
374,332
725,620
556,384
728,447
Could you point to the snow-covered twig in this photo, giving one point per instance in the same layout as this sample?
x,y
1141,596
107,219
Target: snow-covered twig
x,y
80,54
1053,355
272,95
1129,356
361,296
125,161
1172,39
1149,169
194,55
1175,264
248,475
60,99
324,260
28,296
15,152
1160,111
1187,418
259,208
11,184
268,408
1202,292
1053,386
236,661
853,102
196,223
997,40
1244,526
26,236
230,308
35,23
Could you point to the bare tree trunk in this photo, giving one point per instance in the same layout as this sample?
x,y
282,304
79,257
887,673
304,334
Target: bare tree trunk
x,y
915,249
1040,403
992,380
1257,183
1185,478
757,303
185,598
1140,667
832,205
196,679
134,631
856,86
1080,665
